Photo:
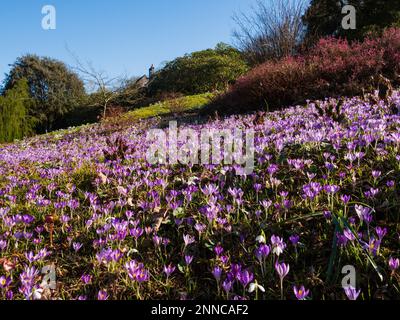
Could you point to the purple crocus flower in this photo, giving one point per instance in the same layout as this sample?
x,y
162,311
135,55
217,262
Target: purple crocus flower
x,y
188,239
77,246
30,256
394,264
3,245
217,272
331,188
262,252
218,250
236,269
136,271
257,187
345,198
227,285
282,269
245,277
390,184
200,227
5,282
380,232
136,232
300,293
9,295
327,214
364,213
372,246
376,174
277,245
352,293
168,270
349,234
188,259
28,276
86,278
224,259
294,239
102,295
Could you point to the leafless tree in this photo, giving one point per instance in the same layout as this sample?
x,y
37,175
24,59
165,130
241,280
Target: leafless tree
x,y
107,89
273,29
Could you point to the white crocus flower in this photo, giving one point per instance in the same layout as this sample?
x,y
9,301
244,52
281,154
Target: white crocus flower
x,y
37,293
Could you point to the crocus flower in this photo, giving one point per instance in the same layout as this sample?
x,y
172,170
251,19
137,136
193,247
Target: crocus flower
x,y
102,295
282,269
262,251
245,277
188,259
349,234
394,264
3,245
77,246
4,282
86,278
136,232
188,239
9,295
224,259
345,198
277,245
352,293
364,213
327,214
217,272
168,270
37,293
300,293
136,271
380,232
376,174
294,239
227,285
218,250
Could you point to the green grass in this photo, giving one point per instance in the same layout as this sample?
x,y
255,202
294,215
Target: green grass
x,y
188,103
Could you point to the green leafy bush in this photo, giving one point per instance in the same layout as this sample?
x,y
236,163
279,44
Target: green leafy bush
x,y
199,72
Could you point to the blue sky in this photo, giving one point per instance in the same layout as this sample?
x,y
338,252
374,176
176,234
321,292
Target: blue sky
x,y
118,36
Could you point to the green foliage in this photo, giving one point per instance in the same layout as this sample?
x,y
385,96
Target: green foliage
x,y
324,18
200,72
188,103
15,122
54,88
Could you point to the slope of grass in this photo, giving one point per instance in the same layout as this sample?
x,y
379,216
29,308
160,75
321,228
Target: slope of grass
x,y
188,103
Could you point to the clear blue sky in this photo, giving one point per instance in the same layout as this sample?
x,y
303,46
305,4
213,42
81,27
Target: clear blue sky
x,y
118,36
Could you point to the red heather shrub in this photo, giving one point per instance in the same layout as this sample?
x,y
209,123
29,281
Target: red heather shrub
x,y
334,67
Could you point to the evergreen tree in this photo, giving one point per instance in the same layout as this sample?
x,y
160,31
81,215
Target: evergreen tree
x,y
54,88
15,121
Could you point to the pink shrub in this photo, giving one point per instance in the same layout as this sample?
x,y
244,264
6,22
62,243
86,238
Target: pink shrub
x,y
334,67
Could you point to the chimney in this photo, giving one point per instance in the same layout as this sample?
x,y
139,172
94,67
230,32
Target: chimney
x,y
151,71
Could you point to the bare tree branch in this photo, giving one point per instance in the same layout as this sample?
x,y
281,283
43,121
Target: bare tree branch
x,y
272,30
107,88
